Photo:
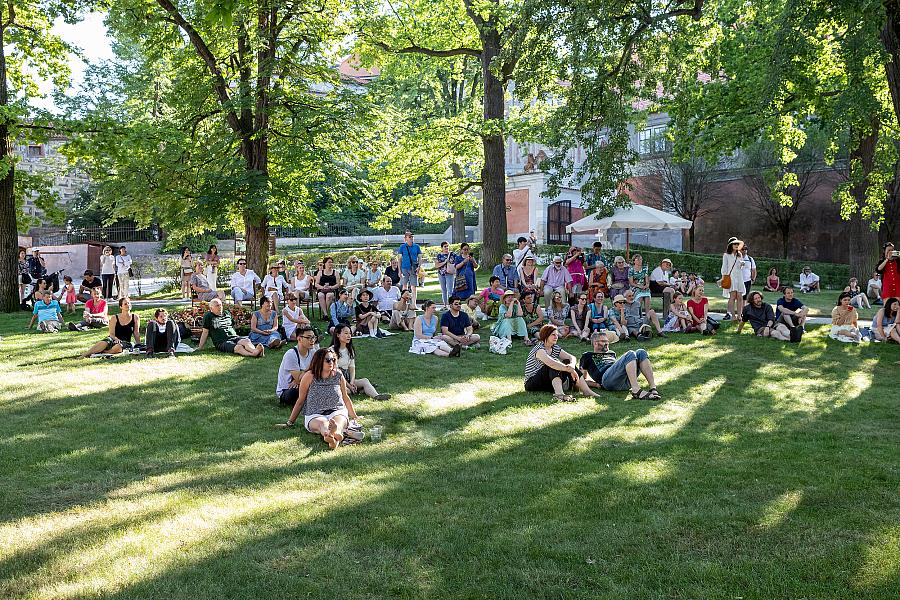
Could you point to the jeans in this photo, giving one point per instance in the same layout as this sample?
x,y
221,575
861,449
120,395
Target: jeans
x,y
447,285
615,378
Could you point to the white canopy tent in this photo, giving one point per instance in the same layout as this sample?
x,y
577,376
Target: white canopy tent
x,y
637,216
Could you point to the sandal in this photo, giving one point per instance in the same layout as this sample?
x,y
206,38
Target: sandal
x,y
563,398
654,394
640,395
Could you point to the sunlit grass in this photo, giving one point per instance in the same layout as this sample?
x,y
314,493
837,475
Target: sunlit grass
x,y
768,470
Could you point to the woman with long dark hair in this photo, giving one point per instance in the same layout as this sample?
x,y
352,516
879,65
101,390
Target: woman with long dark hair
x,y
889,269
731,282
323,399
212,265
187,269
342,344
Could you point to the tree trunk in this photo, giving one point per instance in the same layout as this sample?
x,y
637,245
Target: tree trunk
x,y
256,220
493,174
256,232
863,239
785,240
9,240
691,239
458,231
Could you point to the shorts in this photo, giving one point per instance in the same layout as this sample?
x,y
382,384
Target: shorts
x,y
615,378
126,346
50,326
289,396
326,415
231,343
409,276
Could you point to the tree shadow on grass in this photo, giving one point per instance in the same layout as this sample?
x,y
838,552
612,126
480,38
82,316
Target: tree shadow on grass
x,y
549,508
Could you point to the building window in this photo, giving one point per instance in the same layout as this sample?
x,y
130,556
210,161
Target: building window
x,y
35,151
652,140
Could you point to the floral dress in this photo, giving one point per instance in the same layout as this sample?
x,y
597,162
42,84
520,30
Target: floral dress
x,y
640,276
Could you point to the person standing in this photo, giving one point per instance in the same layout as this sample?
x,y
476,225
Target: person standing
x,y
445,263
732,282
123,272
37,267
748,271
410,253
24,275
575,265
466,265
107,271
522,252
889,269
187,269
212,266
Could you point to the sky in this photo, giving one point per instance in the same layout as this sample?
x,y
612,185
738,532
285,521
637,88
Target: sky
x,y
90,35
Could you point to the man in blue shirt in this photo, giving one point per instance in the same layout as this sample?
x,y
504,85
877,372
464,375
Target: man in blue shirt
x,y
456,328
506,272
409,264
790,310
594,258
48,314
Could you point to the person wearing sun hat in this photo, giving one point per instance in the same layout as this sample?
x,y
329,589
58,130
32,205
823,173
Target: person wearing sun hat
x,y
618,322
510,321
732,265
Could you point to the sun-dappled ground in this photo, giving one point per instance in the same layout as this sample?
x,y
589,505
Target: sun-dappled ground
x,y
767,471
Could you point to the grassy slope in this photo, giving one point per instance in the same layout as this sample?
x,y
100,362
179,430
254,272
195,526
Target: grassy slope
x,y
768,471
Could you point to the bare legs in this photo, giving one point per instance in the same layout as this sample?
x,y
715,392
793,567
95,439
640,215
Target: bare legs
x,y
325,300
100,348
246,348
331,430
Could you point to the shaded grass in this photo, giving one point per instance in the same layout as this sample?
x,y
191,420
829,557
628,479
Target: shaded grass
x,y
769,470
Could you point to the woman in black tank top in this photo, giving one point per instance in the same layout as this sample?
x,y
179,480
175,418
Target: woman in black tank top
x,y
124,332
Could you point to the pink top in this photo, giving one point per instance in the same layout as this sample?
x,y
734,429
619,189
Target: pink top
x,y
486,293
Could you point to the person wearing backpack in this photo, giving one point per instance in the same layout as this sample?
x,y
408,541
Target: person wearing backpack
x,y
294,363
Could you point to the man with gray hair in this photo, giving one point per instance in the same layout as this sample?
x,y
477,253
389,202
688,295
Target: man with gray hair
x,y
218,324
603,370
555,278
507,273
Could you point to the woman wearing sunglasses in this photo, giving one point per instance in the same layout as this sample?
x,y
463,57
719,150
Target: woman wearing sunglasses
x,y
323,399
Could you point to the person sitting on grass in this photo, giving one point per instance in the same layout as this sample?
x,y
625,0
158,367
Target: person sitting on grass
x,y
342,344
507,273
323,399
403,315
698,308
386,295
123,327
603,370
162,334
580,314
509,319
264,325
200,285
680,320
557,313
857,296
549,368
427,335
219,324
292,316
471,308
809,281
762,319
873,288
884,323
629,316
773,282
532,313
791,311
340,310
367,316
845,320
456,328
87,284
490,297
95,315
48,313
599,319
294,364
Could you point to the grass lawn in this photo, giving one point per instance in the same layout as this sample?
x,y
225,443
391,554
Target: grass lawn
x,y
768,471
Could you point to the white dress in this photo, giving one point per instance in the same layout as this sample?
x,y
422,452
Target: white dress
x,y
737,277
289,326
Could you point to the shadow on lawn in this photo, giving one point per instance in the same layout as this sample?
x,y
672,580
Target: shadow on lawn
x,y
574,518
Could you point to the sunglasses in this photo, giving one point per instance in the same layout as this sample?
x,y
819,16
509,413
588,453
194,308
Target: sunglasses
x,y
331,360
241,264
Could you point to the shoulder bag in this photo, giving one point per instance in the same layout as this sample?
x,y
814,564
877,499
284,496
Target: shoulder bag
x,y
726,279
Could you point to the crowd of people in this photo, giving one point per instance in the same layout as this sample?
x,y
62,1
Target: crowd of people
x,y
589,297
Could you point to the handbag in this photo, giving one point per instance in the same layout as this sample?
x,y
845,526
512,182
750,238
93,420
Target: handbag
x,y
460,283
450,267
725,284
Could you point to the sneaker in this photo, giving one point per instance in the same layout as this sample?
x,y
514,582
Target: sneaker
x,y
382,397
727,317
380,334
72,327
475,346
455,351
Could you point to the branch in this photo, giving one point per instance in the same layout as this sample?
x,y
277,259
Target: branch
x,y
415,49
476,18
221,88
463,189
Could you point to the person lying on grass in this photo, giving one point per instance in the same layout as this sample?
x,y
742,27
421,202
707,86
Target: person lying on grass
x,y
549,368
218,324
762,319
323,399
603,370
48,313
123,327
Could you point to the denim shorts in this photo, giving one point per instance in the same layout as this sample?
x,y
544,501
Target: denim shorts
x,y
614,378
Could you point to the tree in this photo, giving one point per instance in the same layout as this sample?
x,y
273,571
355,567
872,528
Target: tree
x,y
461,28
28,50
221,113
685,188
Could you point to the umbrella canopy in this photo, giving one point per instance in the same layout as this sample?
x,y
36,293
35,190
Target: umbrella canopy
x,y
637,216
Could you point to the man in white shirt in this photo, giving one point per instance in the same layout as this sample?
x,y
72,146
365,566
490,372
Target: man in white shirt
x,y
748,270
294,363
809,281
873,288
243,282
659,285
386,296
521,253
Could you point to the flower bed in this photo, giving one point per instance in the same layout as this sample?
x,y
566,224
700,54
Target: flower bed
x,y
192,317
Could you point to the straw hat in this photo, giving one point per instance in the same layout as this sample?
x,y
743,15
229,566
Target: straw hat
x,y
618,298
509,293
